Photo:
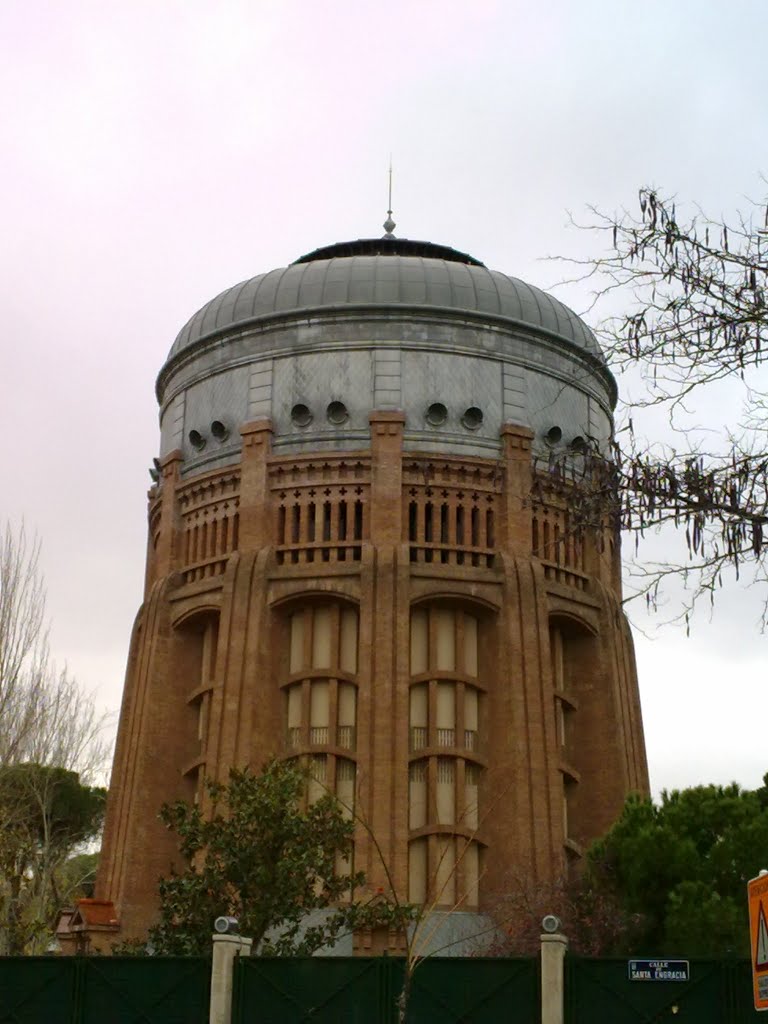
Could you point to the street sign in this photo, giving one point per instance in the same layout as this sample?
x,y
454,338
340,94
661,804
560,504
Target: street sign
x,y
757,893
659,970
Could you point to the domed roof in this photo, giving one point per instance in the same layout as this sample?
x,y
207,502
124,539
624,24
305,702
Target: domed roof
x,y
384,273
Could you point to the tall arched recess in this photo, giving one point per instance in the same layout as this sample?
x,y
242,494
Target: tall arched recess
x,y
448,750
595,721
194,651
319,696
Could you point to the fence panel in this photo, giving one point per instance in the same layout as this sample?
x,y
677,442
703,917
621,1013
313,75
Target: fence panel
x,y
475,991
357,990
718,992
366,991
38,989
741,998
145,990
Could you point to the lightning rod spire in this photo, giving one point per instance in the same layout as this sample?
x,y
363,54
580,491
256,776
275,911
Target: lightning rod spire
x,y
389,225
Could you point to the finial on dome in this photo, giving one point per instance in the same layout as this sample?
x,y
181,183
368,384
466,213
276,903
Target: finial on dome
x,y
389,225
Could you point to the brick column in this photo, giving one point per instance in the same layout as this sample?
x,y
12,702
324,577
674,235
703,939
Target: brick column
x,y
516,536
386,476
166,556
254,485
387,754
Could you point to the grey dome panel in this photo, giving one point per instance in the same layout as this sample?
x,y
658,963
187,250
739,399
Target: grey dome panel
x,y
385,281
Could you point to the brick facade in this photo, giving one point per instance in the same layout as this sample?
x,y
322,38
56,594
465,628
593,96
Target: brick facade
x,y
208,653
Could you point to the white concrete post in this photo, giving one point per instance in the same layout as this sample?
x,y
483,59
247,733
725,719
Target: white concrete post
x,y
225,949
553,949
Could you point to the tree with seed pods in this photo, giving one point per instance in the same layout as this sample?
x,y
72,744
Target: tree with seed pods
x,y
691,295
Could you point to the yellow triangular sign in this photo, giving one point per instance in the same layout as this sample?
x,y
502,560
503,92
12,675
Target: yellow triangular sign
x,y
761,946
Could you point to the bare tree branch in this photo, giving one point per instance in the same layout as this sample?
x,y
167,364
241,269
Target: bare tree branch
x,y
694,294
52,745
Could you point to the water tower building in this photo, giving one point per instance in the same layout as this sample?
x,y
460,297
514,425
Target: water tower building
x,y
348,563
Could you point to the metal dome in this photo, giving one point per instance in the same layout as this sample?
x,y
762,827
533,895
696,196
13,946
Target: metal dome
x,y
376,274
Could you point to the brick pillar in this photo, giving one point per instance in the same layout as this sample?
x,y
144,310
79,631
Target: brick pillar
x,y
386,477
166,556
254,485
389,639
516,536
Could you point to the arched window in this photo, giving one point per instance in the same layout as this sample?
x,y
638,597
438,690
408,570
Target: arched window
x,y
194,653
320,698
573,664
445,870
321,685
445,739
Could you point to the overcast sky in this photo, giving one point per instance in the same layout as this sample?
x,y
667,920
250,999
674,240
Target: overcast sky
x,y
158,151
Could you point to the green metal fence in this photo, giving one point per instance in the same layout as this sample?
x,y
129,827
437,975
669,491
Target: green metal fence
x,y
104,990
358,990
36,989
366,990
717,992
475,991
320,990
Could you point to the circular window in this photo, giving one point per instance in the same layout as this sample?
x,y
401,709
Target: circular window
x,y
579,445
554,435
301,415
337,413
197,440
219,430
472,418
437,414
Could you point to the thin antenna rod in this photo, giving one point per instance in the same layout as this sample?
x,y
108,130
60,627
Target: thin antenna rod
x,y
389,225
